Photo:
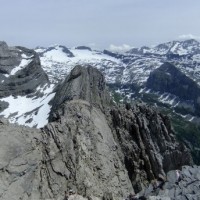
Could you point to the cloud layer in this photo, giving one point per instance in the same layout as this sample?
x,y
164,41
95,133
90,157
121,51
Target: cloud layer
x,y
120,48
189,36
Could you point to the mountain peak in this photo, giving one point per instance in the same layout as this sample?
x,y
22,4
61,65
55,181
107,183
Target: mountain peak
x,y
190,41
83,48
85,83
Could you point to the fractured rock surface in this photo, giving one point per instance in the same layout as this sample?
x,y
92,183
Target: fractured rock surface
x,y
184,187
98,150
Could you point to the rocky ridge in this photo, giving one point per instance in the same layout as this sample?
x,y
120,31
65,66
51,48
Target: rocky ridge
x,y
99,150
86,84
122,131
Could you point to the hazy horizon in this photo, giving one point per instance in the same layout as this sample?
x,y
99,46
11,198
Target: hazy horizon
x,y
100,25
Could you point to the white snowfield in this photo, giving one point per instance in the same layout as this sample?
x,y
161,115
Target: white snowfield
x,y
58,64
32,112
24,62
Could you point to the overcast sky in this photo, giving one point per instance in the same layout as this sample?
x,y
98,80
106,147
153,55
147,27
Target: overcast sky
x,y
98,23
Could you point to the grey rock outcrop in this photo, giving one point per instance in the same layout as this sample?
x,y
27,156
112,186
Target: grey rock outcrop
x,y
8,58
20,158
25,89
23,166
81,148
82,83
148,144
184,187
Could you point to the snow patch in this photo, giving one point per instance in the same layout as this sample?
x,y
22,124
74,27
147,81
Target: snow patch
x,y
24,62
21,109
166,98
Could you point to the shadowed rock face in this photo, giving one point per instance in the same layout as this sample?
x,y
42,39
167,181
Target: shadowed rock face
x,y
168,78
27,78
148,143
98,150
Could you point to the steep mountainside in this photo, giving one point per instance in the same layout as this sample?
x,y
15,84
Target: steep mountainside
x,y
86,84
168,79
99,150
25,89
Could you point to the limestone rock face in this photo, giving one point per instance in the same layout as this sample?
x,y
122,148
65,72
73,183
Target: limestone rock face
x,y
25,89
9,57
98,150
82,83
142,138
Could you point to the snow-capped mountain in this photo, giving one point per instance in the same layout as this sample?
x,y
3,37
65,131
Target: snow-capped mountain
x,y
128,70
26,91
131,67
174,47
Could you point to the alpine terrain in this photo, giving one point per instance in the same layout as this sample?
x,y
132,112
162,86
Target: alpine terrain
x,y
129,73
62,129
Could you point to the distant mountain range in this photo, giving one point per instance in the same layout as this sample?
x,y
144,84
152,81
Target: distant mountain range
x,y
133,66
128,74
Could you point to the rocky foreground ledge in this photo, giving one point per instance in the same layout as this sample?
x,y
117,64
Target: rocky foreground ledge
x,y
181,184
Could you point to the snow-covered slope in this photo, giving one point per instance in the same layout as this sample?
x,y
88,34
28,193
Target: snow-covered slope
x,y
25,91
29,110
57,62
